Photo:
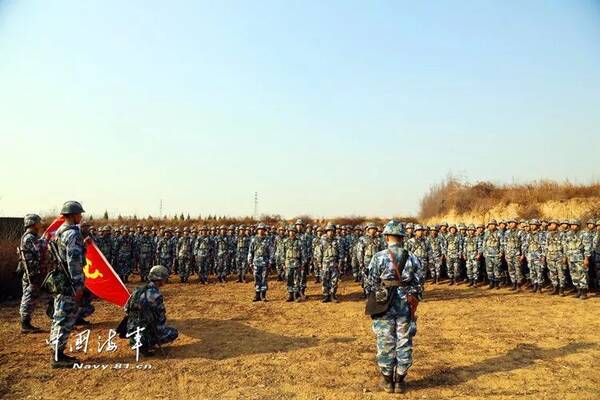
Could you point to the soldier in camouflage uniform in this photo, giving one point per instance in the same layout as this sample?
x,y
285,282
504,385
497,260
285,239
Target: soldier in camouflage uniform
x,y
596,254
293,254
395,328
146,250
243,243
279,257
588,238
30,266
124,251
453,246
316,254
185,255
66,300
555,258
578,256
512,246
533,249
491,249
202,249
165,250
437,251
260,258
354,241
145,310
330,263
231,248
367,247
470,253
306,243
419,246
222,250
105,243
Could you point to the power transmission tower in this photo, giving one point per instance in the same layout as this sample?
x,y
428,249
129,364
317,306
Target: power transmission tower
x,y
160,208
255,205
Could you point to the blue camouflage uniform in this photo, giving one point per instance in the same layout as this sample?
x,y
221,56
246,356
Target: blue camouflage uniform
x,y
260,257
31,246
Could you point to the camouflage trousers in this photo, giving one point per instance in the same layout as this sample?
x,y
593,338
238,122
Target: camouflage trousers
x,y
513,263
202,264
145,265
87,308
355,268
184,268
230,260
124,264
241,265
453,266
578,273
330,275
65,314
294,279
595,264
536,270
260,277
31,294
394,333
316,268
556,271
167,263
493,268
472,266
166,334
221,266
435,267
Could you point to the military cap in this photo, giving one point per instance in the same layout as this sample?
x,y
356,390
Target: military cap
x,y
31,219
394,228
72,207
158,273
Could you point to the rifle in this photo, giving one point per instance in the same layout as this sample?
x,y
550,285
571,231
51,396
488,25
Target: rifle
x,y
23,262
62,264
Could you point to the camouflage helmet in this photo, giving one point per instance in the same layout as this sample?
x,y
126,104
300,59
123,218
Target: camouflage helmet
x,y
167,230
410,225
591,222
554,221
509,220
598,223
492,222
261,226
146,229
394,228
564,222
72,207
292,228
436,227
358,228
330,227
299,222
139,226
471,227
452,226
371,225
575,222
186,229
158,273
480,226
319,229
462,226
106,228
534,222
31,219
419,227
444,224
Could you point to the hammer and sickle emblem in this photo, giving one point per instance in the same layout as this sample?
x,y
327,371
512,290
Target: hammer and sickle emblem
x,y
91,275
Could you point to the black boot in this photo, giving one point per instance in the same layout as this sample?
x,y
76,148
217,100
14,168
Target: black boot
x,y
263,295
514,287
583,294
561,291
62,361
578,295
334,297
256,296
302,295
290,297
470,282
81,321
554,291
387,384
451,282
498,284
26,327
399,383
326,298
491,286
534,288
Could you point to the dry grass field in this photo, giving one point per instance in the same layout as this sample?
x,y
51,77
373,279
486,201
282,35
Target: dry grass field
x,y
471,344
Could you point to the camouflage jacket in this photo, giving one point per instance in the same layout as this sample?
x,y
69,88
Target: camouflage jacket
x,y
31,247
329,251
72,251
511,243
260,251
491,244
293,252
534,245
470,247
420,248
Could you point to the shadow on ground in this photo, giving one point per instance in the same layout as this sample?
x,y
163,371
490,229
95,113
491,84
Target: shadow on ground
x,y
521,356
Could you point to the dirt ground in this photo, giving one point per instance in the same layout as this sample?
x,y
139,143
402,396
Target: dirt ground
x,y
471,344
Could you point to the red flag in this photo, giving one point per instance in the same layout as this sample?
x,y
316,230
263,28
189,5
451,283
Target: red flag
x,y
101,279
53,227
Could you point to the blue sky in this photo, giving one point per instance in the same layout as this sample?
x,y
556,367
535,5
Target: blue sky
x,y
323,108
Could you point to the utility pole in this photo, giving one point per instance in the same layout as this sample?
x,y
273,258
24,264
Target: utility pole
x,y
160,208
255,205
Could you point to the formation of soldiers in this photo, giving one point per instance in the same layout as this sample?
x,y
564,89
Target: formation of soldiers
x,y
508,253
